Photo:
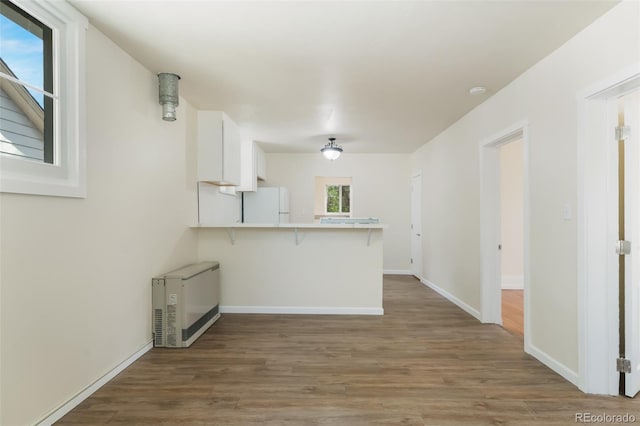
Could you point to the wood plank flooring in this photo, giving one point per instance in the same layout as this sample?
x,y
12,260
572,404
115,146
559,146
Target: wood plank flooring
x,y
425,362
513,311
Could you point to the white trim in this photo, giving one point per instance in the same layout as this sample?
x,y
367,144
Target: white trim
x,y
596,212
554,365
416,266
59,412
512,282
526,240
532,350
453,299
618,84
490,300
304,310
396,272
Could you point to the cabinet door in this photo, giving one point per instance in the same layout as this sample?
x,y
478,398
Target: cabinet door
x,y
261,164
230,152
247,166
210,146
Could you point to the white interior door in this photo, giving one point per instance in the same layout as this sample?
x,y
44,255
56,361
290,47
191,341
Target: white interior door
x,y
416,225
632,233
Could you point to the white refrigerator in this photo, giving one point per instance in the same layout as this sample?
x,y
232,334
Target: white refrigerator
x,y
267,205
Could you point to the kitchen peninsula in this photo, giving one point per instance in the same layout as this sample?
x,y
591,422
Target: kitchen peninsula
x,y
297,268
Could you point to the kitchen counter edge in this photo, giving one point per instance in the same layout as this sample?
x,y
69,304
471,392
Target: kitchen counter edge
x,y
297,226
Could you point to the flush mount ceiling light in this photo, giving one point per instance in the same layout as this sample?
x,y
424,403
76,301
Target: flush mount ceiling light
x,y
168,95
478,90
331,151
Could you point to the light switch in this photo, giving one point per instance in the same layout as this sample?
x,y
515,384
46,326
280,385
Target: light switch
x,y
566,212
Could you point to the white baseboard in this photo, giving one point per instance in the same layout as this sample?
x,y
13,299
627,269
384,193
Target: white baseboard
x,y
512,282
396,272
59,412
305,310
453,299
553,364
532,350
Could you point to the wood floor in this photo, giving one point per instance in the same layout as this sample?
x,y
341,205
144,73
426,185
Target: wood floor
x,y
513,311
425,362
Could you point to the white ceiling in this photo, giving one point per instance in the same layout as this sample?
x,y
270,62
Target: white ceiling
x,y
383,76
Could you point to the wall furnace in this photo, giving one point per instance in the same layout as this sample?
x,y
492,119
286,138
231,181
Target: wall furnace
x,y
185,304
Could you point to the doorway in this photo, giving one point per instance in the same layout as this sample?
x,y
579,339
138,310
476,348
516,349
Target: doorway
x,y
628,123
416,225
512,236
609,235
491,238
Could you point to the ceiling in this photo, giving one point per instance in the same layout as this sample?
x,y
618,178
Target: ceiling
x,y
381,76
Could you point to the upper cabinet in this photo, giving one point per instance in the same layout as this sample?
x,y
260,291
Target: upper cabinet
x,y
218,149
253,166
261,164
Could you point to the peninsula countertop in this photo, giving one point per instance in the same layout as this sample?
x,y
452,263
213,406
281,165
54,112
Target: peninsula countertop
x,y
296,225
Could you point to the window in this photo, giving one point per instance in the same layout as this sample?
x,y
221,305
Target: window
x,y
26,98
338,199
42,98
333,196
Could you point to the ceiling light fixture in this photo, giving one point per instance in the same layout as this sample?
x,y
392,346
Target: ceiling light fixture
x,y
478,90
331,150
168,95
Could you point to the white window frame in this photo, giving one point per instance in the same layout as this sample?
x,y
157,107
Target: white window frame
x,y
66,177
326,198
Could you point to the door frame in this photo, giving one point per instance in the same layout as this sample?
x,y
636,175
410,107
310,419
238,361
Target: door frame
x,y
597,229
415,175
491,289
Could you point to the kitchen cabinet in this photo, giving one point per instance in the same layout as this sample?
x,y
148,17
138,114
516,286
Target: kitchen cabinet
x,y
253,166
261,164
218,149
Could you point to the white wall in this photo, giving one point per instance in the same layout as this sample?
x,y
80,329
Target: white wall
x,y
545,95
380,188
76,273
511,214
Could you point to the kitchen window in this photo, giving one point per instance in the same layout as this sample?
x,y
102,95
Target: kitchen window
x,y
42,146
338,199
333,196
